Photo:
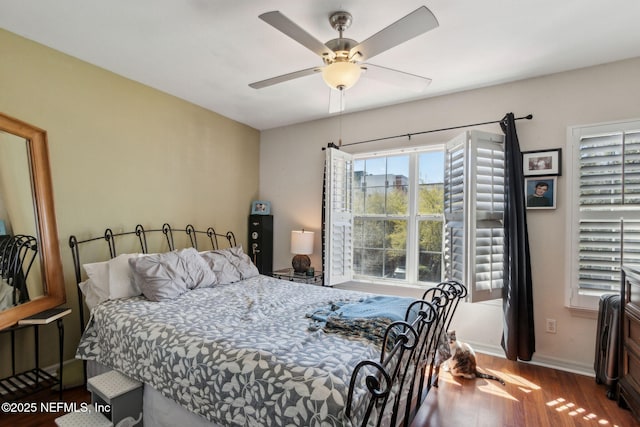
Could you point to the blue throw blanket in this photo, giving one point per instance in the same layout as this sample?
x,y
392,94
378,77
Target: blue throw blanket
x,y
367,318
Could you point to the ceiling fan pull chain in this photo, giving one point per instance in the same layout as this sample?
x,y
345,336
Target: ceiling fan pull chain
x,y
340,117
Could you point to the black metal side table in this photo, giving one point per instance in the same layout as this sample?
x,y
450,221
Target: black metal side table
x,y
20,385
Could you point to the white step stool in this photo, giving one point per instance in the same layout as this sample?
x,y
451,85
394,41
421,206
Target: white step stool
x,y
91,418
117,395
116,400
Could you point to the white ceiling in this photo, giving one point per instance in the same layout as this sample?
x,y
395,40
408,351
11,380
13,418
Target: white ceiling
x,y
208,51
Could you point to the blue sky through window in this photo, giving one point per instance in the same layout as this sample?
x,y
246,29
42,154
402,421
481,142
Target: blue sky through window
x,y
430,166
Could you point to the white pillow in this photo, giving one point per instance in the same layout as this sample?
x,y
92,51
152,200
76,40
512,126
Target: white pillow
x,y
223,269
90,292
121,283
230,264
168,275
243,263
98,282
98,272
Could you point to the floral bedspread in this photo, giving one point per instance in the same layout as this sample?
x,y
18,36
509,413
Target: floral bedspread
x,y
237,354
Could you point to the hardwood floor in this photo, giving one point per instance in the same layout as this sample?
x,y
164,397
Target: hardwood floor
x,y
533,396
47,417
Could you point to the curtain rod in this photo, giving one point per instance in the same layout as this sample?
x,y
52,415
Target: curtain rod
x,y
409,135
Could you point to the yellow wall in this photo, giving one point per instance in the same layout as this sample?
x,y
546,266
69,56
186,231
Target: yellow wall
x,y
121,154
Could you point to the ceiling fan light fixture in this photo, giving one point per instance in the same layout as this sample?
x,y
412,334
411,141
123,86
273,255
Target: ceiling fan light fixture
x,y
341,75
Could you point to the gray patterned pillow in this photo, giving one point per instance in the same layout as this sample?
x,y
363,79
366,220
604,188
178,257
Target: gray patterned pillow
x,y
168,275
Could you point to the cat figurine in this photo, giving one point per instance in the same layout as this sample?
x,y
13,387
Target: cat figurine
x,y
459,359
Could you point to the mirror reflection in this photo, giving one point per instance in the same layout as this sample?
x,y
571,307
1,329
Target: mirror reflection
x,y
20,268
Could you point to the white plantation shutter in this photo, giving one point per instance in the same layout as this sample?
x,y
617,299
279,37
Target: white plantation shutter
x,y
454,209
606,225
604,246
474,211
338,255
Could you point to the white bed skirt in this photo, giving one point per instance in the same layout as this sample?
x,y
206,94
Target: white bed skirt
x,y
157,410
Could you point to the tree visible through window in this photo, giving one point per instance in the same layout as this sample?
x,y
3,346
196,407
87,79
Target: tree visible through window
x,y
430,215
398,205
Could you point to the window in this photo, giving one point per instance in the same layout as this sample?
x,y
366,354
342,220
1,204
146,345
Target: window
x,y
397,216
605,208
429,216
420,215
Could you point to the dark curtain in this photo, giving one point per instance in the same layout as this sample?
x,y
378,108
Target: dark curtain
x,y
518,338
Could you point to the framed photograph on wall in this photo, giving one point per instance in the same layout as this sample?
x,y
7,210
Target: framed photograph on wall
x,y
260,207
541,192
542,162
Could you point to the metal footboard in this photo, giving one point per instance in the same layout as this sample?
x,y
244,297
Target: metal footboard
x,y
395,384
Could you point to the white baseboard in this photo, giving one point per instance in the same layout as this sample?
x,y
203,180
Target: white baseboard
x,y
539,360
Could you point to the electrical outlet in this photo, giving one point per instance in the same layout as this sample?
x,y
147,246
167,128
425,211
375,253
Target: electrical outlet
x,y
551,326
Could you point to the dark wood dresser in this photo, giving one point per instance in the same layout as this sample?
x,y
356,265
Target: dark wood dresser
x,y
629,351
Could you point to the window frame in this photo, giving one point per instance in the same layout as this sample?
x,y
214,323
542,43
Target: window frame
x,y
478,258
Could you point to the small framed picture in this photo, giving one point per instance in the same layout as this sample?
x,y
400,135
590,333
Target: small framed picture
x,y
540,192
260,207
542,162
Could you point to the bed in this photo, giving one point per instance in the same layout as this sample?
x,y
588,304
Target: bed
x,y
239,348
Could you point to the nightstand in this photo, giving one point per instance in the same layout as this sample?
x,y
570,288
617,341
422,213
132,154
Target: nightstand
x,y
20,385
292,276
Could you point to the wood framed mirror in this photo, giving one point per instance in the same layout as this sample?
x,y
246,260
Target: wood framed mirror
x,y
47,231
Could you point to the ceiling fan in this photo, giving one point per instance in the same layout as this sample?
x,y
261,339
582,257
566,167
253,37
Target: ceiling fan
x,y
344,58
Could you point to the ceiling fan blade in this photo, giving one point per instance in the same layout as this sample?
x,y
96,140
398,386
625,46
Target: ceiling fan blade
x,y
395,77
291,29
285,77
336,101
417,22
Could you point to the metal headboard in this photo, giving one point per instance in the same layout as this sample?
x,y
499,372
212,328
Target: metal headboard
x,y
168,236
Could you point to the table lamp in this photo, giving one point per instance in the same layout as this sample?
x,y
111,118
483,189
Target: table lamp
x,y
302,247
